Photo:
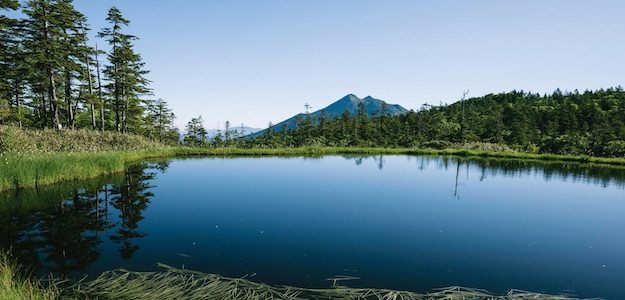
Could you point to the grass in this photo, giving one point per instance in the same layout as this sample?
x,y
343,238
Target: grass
x,y
172,283
15,284
24,170
184,284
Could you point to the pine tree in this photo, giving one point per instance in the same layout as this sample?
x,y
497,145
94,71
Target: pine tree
x,y
126,73
13,66
162,118
44,42
196,134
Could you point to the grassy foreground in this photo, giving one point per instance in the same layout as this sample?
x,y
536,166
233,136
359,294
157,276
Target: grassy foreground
x,y
172,283
23,170
15,284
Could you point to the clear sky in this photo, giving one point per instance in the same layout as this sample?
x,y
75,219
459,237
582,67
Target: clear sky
x,y
258,61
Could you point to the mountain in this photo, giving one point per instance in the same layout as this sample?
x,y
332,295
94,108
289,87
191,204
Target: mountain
x,y
373,107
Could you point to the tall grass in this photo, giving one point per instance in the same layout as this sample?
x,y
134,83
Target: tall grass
x,y
16,284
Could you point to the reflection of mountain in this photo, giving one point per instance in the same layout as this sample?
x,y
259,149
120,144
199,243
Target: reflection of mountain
x,y
59,228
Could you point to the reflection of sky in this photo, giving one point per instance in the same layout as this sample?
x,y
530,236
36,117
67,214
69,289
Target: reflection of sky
x,y
394,221
399,226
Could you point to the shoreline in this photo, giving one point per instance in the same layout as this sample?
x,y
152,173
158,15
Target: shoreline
x,y
31,170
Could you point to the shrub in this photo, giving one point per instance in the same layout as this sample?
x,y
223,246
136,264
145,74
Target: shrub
x,y
436,144
615,148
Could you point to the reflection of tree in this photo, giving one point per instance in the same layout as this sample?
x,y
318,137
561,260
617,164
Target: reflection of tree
x,y
58,228
596,174
18,232
69,232
359,159
131,198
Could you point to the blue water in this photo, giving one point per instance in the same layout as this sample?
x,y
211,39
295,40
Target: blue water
x,y
402,222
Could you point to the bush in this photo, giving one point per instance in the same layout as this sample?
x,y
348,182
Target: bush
x,y
486,147
436,144
615,148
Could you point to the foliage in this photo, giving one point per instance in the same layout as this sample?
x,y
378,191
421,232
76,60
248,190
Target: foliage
x,y
196,133
47,78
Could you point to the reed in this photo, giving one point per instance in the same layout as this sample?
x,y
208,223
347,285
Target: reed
x,y
175,283
16,284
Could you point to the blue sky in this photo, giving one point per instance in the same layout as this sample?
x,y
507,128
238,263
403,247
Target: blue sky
x,y
258,61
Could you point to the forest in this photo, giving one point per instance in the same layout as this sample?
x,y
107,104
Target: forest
x,y
53,76
573,123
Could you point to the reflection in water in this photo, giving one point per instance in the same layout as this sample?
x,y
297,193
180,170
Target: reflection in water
x,y
576,172
62,228
59,228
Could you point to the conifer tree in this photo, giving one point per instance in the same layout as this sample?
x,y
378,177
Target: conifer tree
x,y
44,42
125,73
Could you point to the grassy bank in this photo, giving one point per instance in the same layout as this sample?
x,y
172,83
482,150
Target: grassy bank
x,y
23,170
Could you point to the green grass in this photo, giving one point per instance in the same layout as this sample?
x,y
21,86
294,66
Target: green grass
x,y
23,170
15,284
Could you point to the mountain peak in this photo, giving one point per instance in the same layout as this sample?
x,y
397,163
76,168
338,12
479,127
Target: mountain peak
x,y
349,98
349,103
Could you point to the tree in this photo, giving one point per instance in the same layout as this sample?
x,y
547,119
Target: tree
x,y
13,67
227,133
196,133
74,50
125,73
161,117
44,42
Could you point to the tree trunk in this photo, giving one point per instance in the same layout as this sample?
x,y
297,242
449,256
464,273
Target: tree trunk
x,y
160,123
18,105
54,110
68,99
43,114
124,109
51,87
116,82
97,66
90,87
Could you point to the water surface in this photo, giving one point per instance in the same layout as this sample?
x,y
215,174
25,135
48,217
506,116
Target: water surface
x,y
402,222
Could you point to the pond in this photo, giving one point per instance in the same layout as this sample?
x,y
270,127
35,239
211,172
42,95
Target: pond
x,y
402,222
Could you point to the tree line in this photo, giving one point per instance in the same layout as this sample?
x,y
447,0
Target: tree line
x,y
51,75
588,123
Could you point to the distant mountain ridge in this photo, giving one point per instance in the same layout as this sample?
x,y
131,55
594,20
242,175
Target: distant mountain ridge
x,y
373,107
